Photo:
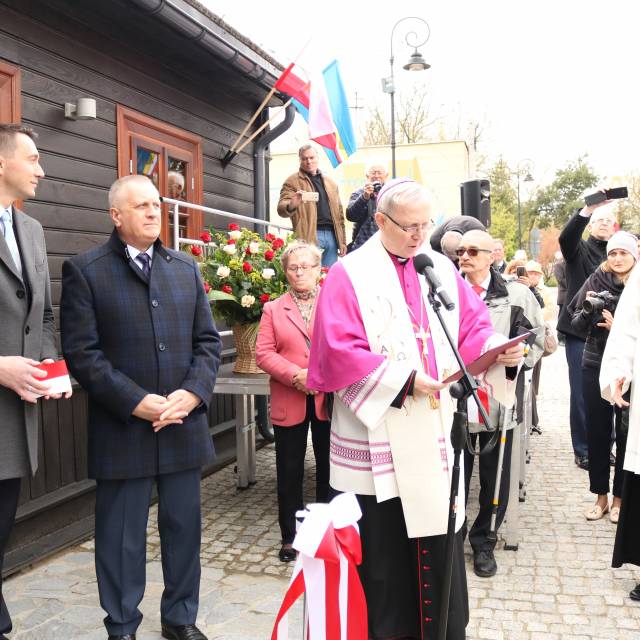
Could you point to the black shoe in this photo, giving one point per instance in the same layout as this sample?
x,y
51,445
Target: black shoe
x,y
126,636
287,553
182,632
582,462
484,564
634,594
536,429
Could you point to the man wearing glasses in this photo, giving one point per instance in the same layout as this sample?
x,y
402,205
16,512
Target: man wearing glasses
x,y
513,310
362,205
379,347
582,257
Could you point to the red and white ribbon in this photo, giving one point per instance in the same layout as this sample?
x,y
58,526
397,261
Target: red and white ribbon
x,y
328,542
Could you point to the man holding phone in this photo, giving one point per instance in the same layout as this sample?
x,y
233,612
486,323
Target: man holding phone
x,y
312,201
582,258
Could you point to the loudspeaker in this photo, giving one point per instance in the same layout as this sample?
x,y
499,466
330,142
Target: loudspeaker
x,y
475,200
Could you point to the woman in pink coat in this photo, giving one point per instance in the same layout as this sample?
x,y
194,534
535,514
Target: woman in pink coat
x,y
282,350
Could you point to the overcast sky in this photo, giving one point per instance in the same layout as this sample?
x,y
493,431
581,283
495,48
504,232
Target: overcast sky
x,y
551,79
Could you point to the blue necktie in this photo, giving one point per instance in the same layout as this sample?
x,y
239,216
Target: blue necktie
x,y
145,261
10,237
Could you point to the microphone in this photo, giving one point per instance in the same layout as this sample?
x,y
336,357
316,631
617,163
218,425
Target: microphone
x,y
424,265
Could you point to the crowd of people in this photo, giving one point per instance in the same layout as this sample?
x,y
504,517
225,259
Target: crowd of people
x,y
361,366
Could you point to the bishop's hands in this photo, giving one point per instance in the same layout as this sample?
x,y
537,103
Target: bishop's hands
x,y
512,357
425,385
162,411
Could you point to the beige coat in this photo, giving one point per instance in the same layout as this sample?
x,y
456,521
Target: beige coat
x,y
27,331
304,217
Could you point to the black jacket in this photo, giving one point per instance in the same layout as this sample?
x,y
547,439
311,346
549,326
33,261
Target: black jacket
x,y
586,323
360,212
582,258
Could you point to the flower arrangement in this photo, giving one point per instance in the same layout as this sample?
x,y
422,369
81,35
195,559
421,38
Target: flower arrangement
x,y
241,272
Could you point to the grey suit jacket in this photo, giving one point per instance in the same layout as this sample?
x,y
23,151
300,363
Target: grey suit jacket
x,y
27,329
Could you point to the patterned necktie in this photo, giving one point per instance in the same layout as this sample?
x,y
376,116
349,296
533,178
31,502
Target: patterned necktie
x,y
478,289
145,263
10,237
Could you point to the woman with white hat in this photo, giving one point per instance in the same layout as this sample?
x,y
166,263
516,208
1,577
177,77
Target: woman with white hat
x,y
592,311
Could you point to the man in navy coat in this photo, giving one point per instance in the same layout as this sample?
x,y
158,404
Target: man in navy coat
x,y
138,335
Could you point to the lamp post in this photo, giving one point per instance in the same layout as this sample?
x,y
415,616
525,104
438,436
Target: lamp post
x,y
416,63
524,167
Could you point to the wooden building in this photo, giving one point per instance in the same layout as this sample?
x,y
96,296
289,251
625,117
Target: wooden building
x,y
173,87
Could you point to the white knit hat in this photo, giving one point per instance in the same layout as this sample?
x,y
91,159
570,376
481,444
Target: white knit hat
x,y
625,241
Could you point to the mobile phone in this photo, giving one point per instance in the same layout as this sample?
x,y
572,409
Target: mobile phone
x,y
521,272
310,196
608,194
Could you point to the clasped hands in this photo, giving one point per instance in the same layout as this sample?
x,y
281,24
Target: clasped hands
x,y
161,411
300,382
22,376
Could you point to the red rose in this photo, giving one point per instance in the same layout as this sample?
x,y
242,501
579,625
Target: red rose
x,y
277,243
268,255
247,251
207,287
246,267
196,250
264,298
324,270
226,288
231,241
269,237
233,227
205,236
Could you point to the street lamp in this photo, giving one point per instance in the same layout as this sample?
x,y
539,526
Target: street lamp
x,y
524,168
416,63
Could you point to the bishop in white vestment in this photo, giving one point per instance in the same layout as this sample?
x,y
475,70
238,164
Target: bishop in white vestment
x,y
379,346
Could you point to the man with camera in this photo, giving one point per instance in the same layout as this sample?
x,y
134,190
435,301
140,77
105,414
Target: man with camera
x,y
362,206
312,201
582,258
513,309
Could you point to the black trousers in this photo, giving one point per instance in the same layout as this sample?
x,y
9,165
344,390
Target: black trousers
x,y
291,447
487,468
402,577
9,493
601,418
122,511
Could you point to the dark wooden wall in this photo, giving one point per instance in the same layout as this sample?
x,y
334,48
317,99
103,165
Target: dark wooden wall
x,y
62,59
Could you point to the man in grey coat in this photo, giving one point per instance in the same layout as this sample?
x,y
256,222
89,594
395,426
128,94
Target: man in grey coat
x,y
28,335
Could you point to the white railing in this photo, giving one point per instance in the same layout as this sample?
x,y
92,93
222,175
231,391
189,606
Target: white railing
x,y
177,240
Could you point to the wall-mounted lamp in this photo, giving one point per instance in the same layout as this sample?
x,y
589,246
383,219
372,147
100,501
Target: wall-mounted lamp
x,y
83,109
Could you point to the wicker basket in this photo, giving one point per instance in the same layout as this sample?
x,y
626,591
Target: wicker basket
x,y
244,335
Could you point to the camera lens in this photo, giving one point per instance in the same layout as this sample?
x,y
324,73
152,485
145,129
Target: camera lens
x,y
377,186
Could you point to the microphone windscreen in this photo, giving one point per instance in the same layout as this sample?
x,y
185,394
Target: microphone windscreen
x,y
421,262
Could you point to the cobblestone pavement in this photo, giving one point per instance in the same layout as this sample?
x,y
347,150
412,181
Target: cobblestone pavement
x,y
558,585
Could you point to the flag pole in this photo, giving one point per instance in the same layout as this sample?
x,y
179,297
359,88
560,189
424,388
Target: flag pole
x,y
256,132
253,118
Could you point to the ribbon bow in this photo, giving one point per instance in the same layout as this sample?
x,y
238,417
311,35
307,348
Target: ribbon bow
x,y
328,541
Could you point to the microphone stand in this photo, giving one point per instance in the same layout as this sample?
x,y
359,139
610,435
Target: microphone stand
x,y
461,390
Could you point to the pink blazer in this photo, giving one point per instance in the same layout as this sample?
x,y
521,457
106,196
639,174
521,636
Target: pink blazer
x,y
282,348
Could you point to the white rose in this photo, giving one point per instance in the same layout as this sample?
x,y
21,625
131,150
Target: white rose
x,y
235,234
247,301
229,248
254,247
267,274
223,272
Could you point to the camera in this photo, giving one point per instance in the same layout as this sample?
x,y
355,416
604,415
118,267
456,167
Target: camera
x,y
598,302
376,186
